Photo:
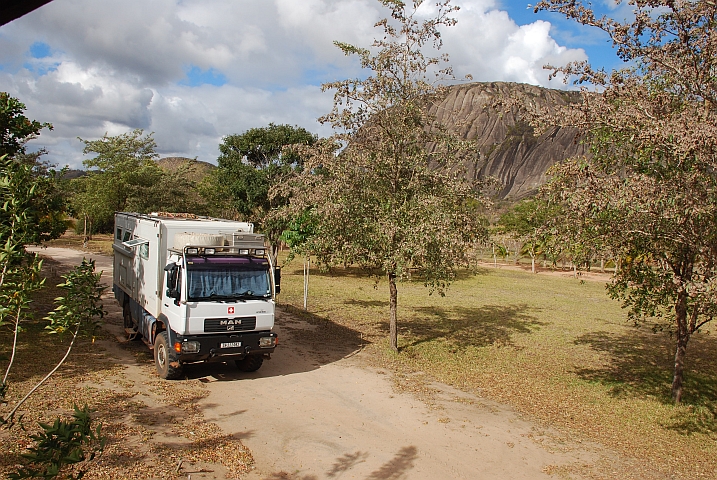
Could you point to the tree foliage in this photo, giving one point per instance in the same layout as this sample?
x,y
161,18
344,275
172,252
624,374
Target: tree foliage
x,y
31,211
29,188
648,192
250,164
122,176
524,221
15,128
383,202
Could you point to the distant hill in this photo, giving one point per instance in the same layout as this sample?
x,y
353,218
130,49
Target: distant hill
x,y
73,173
200,169
507,147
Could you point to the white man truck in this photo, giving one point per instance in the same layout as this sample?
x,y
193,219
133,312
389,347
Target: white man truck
x,y
195,289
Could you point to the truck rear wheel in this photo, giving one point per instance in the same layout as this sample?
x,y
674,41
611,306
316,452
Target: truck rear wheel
x,y
251,363
165,358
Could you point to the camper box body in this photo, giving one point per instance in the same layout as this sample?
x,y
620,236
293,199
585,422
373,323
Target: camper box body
x,y
182,282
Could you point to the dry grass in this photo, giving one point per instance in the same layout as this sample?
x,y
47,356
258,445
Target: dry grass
x,y
151,425
99,243
553,347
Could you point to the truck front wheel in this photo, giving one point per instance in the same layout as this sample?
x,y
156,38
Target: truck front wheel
x,y
251,363
165,358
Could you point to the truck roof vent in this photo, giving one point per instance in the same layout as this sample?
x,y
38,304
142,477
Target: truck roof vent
x,y
198,240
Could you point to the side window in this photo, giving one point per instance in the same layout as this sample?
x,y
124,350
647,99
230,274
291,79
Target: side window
x,y
127,236
144,251
119,234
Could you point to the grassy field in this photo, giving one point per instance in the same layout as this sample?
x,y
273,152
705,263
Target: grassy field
x,y
554,347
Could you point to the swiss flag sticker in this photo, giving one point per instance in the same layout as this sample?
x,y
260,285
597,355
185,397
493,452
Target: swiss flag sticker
x,y
230,310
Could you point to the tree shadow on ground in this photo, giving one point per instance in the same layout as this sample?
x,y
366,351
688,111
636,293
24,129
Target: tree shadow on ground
x,y
470,326
642,363
398,467
345,463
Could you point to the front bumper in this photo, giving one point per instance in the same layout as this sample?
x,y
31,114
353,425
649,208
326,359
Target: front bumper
x,y
211,350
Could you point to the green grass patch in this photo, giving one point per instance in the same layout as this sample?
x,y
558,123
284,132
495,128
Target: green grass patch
x,y
552,346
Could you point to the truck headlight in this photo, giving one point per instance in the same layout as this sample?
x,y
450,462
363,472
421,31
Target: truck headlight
x,y
190,347
267,342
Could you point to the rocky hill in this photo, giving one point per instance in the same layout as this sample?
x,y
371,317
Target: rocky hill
x,y
197,169
507,148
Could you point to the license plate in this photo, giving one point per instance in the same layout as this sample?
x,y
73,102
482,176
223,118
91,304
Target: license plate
x,y
230,345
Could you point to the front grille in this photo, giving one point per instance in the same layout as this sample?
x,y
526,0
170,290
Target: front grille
x,y
237,324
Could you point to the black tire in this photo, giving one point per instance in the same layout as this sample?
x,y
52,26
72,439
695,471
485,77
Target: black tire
x,y
251,363
165,358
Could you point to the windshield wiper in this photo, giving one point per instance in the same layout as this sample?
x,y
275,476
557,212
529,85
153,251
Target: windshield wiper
x,y
251,296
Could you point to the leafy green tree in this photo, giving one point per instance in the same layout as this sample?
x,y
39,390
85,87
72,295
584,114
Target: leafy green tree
x,y
265,147
250,164
30,186
383,202
31,211
122,176
523,222
648,192
15,128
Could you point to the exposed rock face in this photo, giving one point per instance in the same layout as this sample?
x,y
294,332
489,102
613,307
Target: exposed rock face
x,y
507,147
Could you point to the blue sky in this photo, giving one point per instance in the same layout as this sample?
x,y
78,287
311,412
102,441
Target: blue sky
x,y
193,71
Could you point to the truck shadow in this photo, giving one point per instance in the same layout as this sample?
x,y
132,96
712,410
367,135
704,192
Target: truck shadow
x,y
306,342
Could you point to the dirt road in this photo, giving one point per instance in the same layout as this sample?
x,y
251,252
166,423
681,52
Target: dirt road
x,y
318,412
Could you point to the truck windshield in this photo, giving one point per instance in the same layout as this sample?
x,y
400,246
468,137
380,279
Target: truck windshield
x,y
227,279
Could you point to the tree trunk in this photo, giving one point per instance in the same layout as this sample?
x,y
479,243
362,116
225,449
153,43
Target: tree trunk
x,y
683,336
393,303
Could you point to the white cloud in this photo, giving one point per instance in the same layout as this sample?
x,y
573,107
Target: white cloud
x,y
490,46
115,66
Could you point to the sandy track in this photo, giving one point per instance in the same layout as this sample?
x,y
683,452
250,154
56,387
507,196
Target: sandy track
x,y
309,414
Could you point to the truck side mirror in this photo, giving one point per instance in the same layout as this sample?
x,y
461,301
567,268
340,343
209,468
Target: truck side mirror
x,y
277,280
172,281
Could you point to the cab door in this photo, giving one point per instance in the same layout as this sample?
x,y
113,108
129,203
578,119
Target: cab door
x,y
172,307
